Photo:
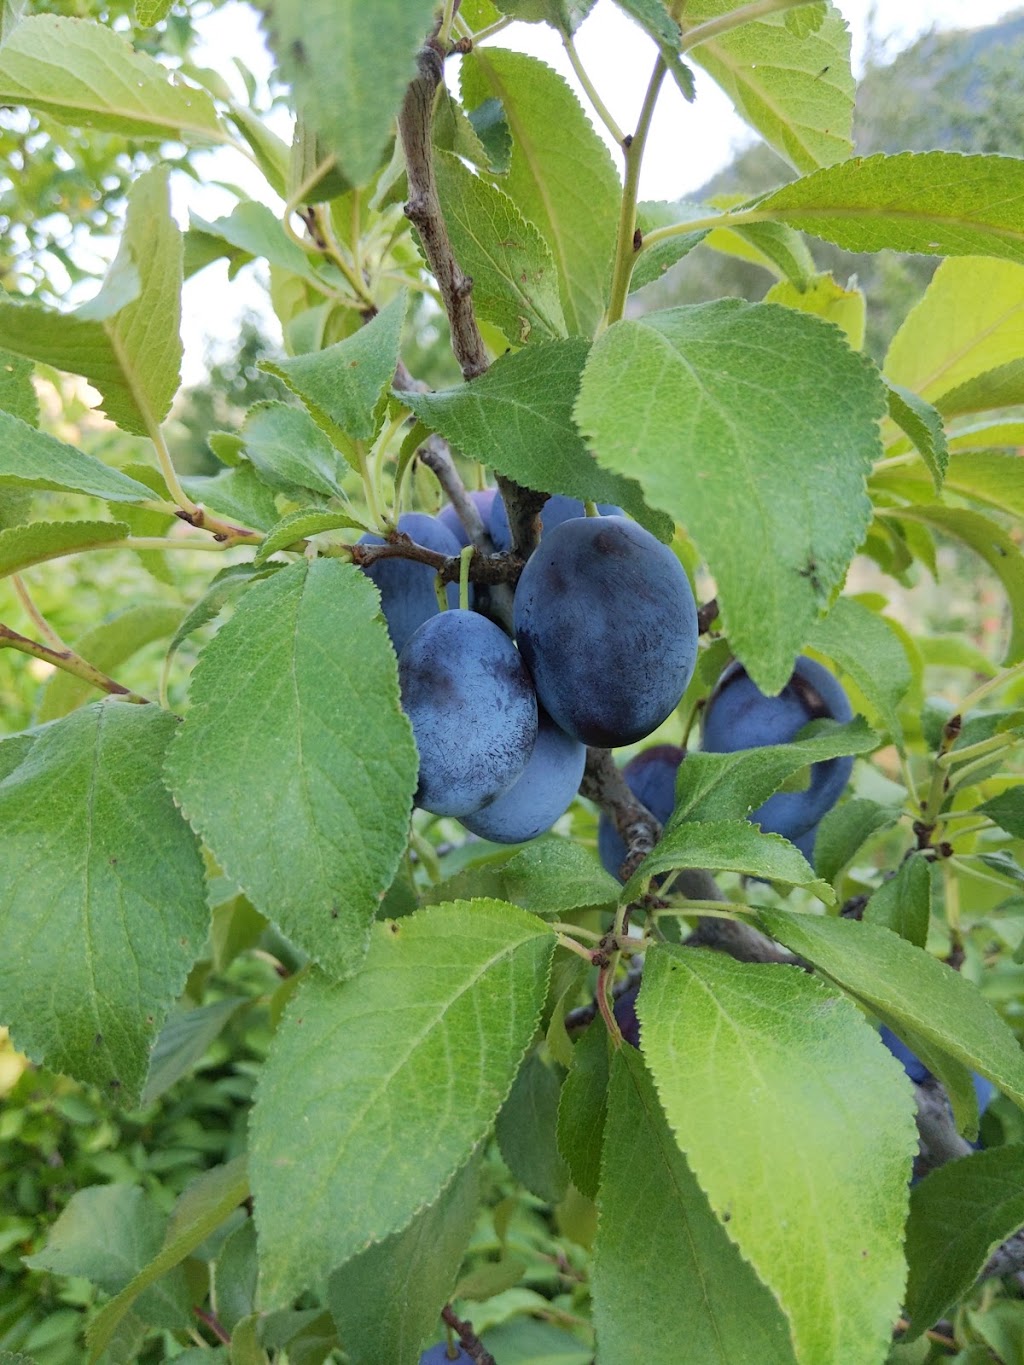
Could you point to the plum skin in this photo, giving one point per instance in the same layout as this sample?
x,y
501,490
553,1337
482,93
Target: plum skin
x,y
449,518
624,1010
472,707
606,621
738,715
438,1355
407,595
542,793
557,509
651,776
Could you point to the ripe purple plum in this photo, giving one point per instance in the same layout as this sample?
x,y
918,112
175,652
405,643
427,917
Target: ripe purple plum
x,y
624,1010
651,776
536,799
473,711
407,595
557,509
449,518
739,716
438,1355
606,621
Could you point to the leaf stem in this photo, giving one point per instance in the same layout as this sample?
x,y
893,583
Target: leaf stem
x,y
444,32
712,28
490,30
35,615
170,475
992,685
464,559
600,108
70,662
567,941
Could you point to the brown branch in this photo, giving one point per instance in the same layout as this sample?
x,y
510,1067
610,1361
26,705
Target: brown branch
x,y
486,569
69,662
706,616
470,1342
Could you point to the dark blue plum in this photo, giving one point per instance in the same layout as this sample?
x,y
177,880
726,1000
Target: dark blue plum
x,y
473,711
984,1090
438,1355
536,799
449,518
557,509
407,595
739,716
624,1010
606,621
651,777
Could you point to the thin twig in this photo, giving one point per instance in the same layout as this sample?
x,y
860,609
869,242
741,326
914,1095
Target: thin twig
x,y
70,662
471,1343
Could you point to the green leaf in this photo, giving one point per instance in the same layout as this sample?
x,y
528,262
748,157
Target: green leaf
x,y
183,1040
23,546
660,1244
992,477
514,281
150,12
726,846
920,421
994,545
969,321
227,585
107,645
655,20
17,392
564,15
551,876
656,260
909,986
199,1211
566,184
722,410
1007,810
824,298
785,1104
796,90
238,493
290,451
13,751
934,203
845,829
106,1234
525,1129
309,521
347,86
382,1327
904,902
83,73
109,903
398,1074
582,1108
254,229
32,459
775,247
866,646
517,418
344,382
299,689
126,340
959,1215
724,786
235,1275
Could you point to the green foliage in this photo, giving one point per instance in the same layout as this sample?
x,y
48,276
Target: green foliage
x,y
224,898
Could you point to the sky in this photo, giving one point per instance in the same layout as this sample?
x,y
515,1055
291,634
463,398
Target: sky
x,y
687,145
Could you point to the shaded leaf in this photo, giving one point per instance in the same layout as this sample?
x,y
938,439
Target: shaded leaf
x,y
865,645
525,1130
904,902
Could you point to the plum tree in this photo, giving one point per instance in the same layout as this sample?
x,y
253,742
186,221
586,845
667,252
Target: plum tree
x,y
651,776
484,498
606,621
540,795
739,716
472,708
407,595
557,509
440,1355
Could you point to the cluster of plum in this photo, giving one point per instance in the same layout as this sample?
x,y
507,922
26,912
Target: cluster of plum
x,y
606,627
738,715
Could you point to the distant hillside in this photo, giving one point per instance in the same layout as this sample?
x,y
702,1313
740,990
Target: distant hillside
x,y
958,91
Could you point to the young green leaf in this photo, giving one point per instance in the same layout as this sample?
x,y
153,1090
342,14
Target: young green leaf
x,y
904,902
910,986
344,382
309,521
844,831
183,1040
398,1074
254,229
32,459
865,646
654,263
582,1108
525,1130
289,450
923,424
1007,810
82,73
785,1103
565,184
23,546
238,493
935,203
551,876
109,904
347,85
515,285
795,89
959,1215
295,700
824,298
517,418
660,1244
380,1327
994,478
721,410
126,340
